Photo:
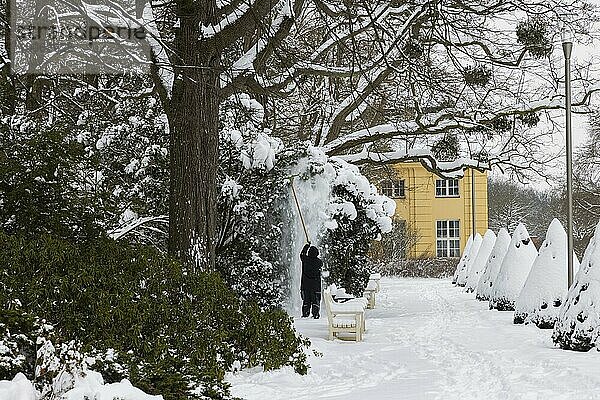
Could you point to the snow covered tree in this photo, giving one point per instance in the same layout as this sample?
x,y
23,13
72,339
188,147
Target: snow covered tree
x,y
344,76
578,324
514,270
463,259
463,274
358,215
254,248
492,267
546,286
586,182
480,262
512,202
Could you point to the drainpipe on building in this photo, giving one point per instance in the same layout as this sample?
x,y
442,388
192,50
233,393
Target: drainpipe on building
x,y
473,201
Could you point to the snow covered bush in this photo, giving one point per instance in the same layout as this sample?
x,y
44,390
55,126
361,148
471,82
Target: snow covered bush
x,y
492,267
354,215
480,262
254,247
463,273
514,270
578,324
96,172
546,286
173,333
463,259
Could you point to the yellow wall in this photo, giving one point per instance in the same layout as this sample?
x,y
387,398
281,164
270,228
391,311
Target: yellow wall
x,y
421,209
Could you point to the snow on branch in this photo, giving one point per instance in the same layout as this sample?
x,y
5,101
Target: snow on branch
x,y
131,226
232,17
246,62
448,169
404,128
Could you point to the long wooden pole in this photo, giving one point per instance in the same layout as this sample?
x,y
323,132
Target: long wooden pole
x,y
299,211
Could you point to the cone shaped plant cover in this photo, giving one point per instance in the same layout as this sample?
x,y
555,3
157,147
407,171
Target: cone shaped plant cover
x,y
514,270
546,286
487,245
484,286
461,279
461,263
578,323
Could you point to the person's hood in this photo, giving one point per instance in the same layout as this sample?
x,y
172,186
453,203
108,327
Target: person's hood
x,y
313,252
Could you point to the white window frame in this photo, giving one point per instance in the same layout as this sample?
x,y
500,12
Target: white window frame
x,y
447,238
394,189
447,188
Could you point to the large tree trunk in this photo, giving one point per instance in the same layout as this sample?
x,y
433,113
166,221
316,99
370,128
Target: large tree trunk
x,y
194,141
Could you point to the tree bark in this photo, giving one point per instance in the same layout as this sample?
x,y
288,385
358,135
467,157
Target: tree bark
x,y
194,145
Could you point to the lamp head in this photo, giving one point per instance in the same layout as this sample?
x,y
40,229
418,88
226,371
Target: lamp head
x,y
567,42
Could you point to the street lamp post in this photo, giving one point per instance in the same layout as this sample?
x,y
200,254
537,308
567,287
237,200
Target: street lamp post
x,y
567,45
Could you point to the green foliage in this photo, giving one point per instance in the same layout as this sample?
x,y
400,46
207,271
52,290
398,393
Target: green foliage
x,y
172,330
347,247
502,124
17,344
477,75
38,188
534,35
254,247
530,119
446,148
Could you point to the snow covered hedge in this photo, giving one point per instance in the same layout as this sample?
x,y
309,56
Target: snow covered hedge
x,y
492,267
480,262
129,312
347,216
469,259
546,286
88,386
463,259
514,270
578,324
254,248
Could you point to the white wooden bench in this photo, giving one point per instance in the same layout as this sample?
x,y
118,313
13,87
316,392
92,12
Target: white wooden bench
x,y
348,317
369,293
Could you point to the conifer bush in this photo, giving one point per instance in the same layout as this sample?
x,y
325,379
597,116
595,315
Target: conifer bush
x,y
172,331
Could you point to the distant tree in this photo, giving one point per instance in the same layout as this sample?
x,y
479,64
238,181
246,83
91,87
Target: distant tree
x,y
511,203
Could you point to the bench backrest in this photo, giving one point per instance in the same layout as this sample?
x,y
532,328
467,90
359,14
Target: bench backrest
x,y
328,302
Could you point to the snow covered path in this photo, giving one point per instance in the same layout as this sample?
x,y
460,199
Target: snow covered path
x,y
428,340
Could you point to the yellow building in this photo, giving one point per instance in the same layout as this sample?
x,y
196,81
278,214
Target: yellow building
x,y
436,210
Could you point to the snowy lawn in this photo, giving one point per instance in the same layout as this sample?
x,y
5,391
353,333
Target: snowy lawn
x,y
429,340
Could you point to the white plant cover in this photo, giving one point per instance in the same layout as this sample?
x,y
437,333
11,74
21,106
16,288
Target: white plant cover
x,y
484,287
514,270
578,323
485,250
546,286
19,388
463,258
461,280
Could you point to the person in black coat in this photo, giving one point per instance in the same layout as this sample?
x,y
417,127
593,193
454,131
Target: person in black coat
x,y
310,288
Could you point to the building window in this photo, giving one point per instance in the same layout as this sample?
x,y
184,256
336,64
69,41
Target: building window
x,y
448,238
446,188
393,189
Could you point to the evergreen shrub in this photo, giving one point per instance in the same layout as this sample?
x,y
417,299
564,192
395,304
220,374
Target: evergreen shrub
x,y
171,331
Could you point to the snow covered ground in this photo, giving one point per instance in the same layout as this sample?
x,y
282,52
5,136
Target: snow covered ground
x,y
429,340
